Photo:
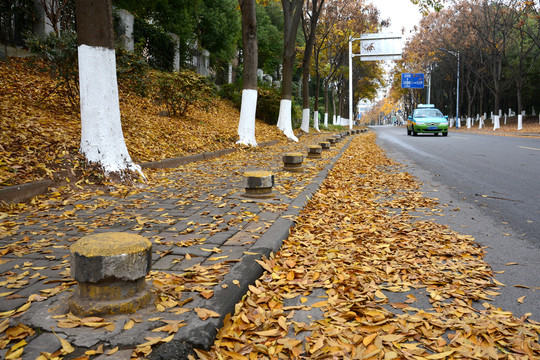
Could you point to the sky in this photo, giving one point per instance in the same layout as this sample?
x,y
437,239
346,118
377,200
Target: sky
x,y
402,13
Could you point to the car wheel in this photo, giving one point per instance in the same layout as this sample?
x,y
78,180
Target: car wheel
x,y
445,134
408,131
414,132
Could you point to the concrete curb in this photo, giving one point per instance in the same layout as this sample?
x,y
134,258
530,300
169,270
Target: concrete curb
x,y
202,334
25,192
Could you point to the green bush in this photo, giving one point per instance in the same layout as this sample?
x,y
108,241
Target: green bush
x,y
268,102
183,89
133,70
231,92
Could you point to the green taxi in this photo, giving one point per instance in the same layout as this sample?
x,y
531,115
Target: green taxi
x,y
427,119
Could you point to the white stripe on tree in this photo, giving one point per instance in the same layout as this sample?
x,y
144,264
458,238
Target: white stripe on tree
x,y
102,140
246,126
305,120
284,120
316,120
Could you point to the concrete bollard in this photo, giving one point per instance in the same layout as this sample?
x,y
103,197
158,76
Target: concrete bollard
x,y
293,162
314,151
325,145
332,141
110,269
258,184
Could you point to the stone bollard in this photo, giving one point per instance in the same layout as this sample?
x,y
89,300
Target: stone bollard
x,y
325,145
332,141
293,162
338,138
314,152
258,184
111,270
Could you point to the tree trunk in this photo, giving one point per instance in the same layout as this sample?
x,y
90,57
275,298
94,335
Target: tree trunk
x,y
309,34
292,12
102,140
246,125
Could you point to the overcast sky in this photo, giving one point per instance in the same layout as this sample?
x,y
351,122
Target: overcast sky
x,y
402,13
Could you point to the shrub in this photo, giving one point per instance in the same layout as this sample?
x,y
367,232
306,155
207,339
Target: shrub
x,y
183,89
268,102
134,70
231,92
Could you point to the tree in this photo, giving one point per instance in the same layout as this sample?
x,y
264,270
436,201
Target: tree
x,y
309,27
270,37
102,140
246,125
292,14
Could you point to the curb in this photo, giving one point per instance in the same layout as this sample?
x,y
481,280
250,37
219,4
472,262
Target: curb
x,y
202,334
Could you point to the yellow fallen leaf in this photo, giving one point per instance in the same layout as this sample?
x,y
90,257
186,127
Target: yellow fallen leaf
x,y
129,324
14,355
112,351
520,300
268,333
204,314
369,339
66,346
442,355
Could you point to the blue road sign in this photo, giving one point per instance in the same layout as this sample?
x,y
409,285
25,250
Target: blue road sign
x,y
412,81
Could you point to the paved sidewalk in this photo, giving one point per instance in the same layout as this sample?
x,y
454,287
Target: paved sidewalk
x,y
206,239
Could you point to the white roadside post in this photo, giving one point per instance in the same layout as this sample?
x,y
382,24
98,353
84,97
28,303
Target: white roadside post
x,y
520,122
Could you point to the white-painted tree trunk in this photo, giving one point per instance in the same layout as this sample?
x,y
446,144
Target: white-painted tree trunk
x,y
496,122
284,120
334,120
305,120
520,122
469,120
102,139
325,119
246,125
316,120
338,120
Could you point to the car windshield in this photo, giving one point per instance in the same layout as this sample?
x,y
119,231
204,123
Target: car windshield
x,y
422,113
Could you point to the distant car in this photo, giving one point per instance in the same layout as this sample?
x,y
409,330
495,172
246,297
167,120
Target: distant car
x,y
427,119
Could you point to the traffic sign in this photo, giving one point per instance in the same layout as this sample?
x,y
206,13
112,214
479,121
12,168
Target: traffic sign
x,y
412,81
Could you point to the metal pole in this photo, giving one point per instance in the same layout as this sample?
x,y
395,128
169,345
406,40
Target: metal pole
x,y
457,96
350,84
429,88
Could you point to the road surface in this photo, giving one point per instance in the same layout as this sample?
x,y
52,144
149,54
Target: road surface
x,y
492,186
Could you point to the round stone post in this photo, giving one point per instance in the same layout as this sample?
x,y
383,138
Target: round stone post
x,y
325,145
110,269
332,141
293,162
314,152
258,184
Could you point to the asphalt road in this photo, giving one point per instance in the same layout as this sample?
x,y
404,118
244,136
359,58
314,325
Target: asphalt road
x,y
491,186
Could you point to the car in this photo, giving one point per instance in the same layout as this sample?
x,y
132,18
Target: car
x,y
427,119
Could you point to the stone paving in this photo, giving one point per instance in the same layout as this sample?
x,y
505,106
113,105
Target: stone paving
x,y
203,231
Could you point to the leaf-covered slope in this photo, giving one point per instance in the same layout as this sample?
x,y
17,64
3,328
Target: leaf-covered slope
x,y
40,131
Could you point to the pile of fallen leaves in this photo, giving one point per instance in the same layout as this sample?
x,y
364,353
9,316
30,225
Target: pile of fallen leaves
x,y
40,130
362,256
